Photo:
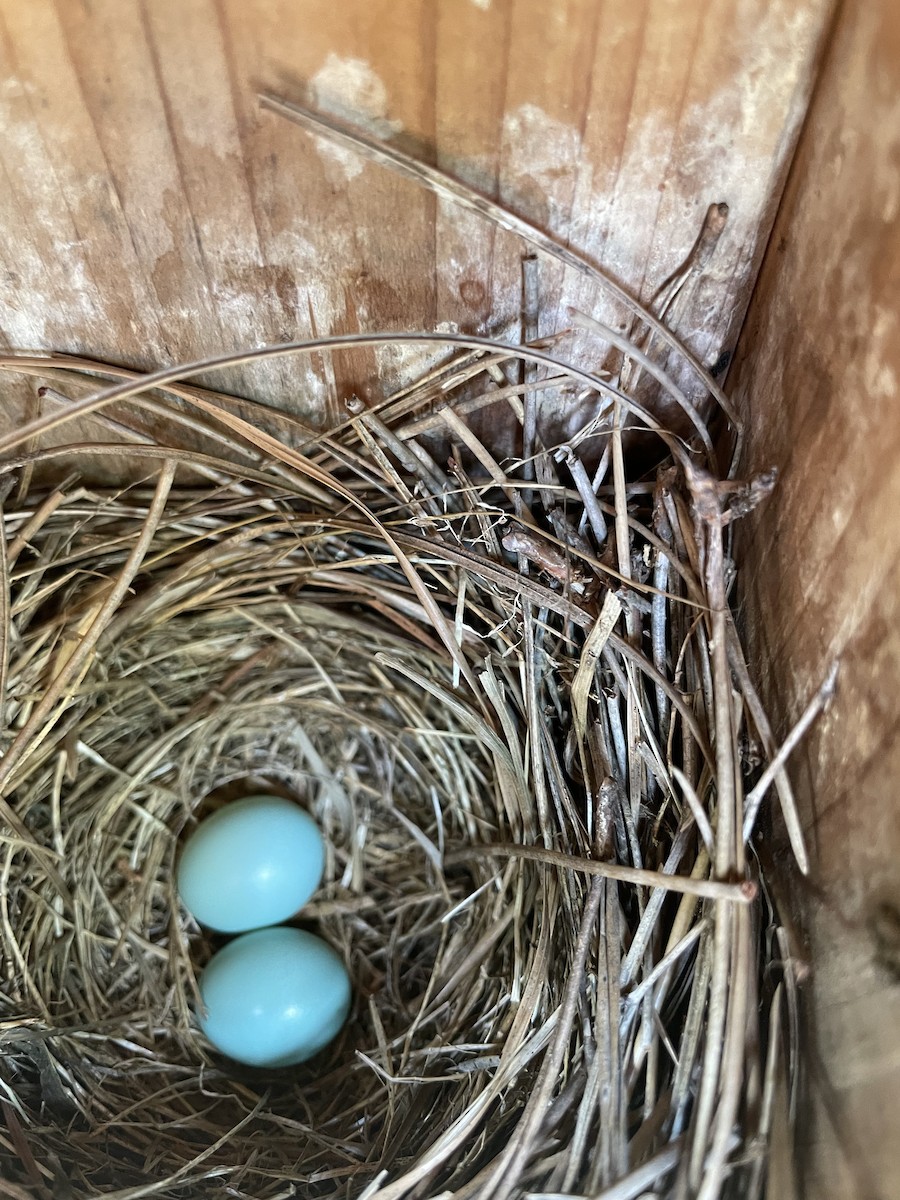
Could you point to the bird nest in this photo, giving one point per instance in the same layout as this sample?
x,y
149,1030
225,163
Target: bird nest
x,y
513,694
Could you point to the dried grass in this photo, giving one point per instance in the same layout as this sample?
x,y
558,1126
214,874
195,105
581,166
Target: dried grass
x,y
514,697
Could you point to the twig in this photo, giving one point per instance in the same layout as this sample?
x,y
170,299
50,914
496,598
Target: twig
x,y
592,509
712,889
819,701
530,311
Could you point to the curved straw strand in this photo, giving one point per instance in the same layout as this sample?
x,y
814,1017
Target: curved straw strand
x,y
181,371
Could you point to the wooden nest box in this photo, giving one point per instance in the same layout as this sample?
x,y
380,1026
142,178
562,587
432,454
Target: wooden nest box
x,y
152,212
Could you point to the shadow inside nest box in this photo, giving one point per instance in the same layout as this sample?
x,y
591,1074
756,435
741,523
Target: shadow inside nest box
x,y
240,789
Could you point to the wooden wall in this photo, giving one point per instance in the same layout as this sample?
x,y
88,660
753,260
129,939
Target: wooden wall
x,y
150,213
819,377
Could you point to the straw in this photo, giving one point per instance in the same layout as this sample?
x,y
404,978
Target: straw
x,y
512,695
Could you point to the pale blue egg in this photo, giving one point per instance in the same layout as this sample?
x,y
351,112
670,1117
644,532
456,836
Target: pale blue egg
x,y
274,997
255,862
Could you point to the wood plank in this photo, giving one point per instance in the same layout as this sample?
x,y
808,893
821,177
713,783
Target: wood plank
x,y
818,377
150,212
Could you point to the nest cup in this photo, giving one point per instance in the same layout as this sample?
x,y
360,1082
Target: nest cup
x,y
268,690
513,695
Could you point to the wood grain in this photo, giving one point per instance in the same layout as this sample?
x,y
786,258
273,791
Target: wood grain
x,y
149,212
818,378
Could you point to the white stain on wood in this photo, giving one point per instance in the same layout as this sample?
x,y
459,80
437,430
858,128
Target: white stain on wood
x,y
350,89
23,323
540,155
